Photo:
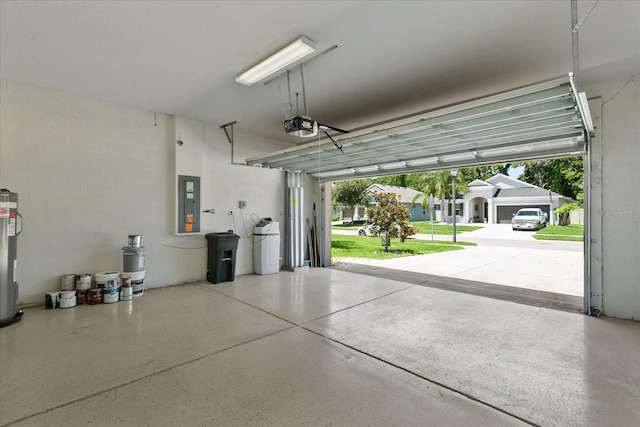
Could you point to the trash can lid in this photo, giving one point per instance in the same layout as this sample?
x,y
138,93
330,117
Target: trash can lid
x,y
222,235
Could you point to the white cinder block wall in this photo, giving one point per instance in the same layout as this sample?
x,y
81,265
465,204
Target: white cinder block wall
x,y
88,173
224,185
615,178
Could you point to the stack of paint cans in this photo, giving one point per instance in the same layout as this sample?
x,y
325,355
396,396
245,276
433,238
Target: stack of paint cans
x,y
67,296
133,264
126,289
109,282
83,284
110,286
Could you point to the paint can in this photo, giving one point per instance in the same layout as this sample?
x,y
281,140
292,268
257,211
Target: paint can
x,y
133,258
81,296
126,290
67,299
108,280
51,300
137,282
68,282
95,296
110,295
135,240
83,282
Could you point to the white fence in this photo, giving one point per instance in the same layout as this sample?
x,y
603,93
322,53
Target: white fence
x,y
577,216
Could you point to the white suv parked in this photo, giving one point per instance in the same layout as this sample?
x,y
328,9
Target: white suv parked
x,y
529,219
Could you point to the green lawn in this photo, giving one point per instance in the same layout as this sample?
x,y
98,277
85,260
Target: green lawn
x,y
345,226
568,233
424,227
442,229
370,247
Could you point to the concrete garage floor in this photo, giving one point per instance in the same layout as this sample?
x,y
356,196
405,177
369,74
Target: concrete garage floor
x,y
317,347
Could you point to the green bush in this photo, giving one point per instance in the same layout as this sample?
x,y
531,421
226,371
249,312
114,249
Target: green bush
x,y
563,213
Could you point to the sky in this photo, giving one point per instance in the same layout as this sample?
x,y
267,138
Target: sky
x,y
515,172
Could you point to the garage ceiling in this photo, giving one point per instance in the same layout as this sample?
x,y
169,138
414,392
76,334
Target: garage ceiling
x,y
394,58
543,120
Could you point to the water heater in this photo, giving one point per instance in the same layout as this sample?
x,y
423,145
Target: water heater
x,y
10,227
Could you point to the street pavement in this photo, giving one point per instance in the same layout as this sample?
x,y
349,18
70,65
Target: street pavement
x,y
503,256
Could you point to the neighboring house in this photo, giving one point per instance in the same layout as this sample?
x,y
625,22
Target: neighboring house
x,y
356,213
495,201
406,196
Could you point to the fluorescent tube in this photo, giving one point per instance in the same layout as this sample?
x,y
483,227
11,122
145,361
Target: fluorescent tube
x,y
276,62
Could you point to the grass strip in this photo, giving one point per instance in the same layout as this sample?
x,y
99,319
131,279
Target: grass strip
x,y
424,227
565,230
558,237
371,248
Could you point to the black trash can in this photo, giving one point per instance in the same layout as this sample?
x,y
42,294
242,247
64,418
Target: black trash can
x,y
221,257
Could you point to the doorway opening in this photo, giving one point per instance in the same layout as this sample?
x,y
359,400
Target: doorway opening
x,y
542,267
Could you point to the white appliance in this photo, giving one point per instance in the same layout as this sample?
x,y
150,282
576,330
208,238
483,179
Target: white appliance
x,y
266,247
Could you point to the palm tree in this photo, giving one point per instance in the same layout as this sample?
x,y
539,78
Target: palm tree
x,y
438,183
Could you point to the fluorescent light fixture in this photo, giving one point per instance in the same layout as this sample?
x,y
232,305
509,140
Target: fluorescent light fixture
x,y
276,62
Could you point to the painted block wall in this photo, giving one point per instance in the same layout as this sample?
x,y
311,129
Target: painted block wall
x,y
224,185
617,216
88,173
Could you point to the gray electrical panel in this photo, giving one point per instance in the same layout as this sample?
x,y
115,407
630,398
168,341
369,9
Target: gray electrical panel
x,y
188,204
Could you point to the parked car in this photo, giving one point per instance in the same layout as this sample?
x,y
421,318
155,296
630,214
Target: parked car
x,y
529,219
368,230
372,230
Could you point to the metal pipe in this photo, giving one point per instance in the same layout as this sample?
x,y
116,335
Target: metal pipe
x,y
453,197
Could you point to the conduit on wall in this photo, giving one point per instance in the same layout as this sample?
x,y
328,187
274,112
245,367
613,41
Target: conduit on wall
x,y
548,119
294,229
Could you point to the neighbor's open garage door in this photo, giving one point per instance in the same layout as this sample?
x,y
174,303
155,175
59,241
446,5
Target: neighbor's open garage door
x,y
544,120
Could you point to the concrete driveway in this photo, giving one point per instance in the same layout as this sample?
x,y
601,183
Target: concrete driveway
x,y
502,257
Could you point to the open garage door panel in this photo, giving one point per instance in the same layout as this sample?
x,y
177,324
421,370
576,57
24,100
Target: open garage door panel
x,y
544,120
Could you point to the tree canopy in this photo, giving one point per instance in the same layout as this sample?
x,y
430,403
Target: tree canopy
x,y
484,172
391,217
564,176
350,193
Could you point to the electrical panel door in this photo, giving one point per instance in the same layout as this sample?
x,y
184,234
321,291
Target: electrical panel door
x,y
188,204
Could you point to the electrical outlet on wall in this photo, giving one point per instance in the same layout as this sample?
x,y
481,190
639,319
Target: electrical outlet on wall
x,y
242,204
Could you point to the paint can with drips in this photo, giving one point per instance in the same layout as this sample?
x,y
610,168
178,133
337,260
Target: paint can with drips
x,y
81,296
110,295
67,299
137,282
68,282
95,296
126,289
51,300
83,282
108,280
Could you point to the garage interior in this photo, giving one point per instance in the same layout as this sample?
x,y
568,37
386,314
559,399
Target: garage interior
x,y
104,105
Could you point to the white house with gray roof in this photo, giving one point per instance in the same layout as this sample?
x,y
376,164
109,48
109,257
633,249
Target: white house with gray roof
x,y
495,201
